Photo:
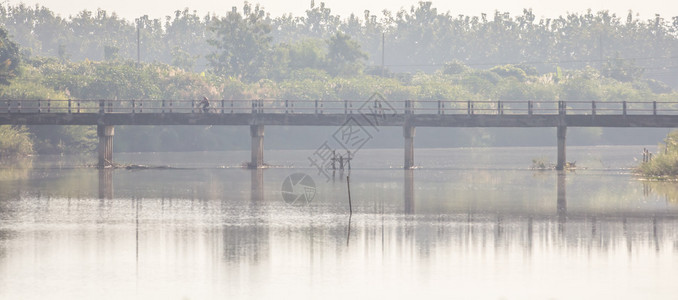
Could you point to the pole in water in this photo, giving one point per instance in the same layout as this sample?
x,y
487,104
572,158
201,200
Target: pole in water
x,y
348,184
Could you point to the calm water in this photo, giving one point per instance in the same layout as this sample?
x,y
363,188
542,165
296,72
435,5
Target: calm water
x,y
469,223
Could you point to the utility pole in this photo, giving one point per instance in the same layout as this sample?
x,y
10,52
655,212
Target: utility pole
x,y
383,51
600,48
138,41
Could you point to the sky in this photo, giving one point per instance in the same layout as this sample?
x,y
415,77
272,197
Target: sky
x,y
130,9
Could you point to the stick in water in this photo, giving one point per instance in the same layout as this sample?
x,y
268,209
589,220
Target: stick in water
x,y
348,184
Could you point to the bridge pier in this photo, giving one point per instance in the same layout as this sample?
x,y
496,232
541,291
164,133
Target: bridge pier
x,y
561,132
408,134
105,148
257,134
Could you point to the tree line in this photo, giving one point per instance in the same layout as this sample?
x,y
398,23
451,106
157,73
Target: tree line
x,y
252,44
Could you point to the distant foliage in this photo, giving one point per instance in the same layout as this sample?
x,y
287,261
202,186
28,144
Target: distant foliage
x,y
249,44
510,71
14,141
242,44
665,163
9,58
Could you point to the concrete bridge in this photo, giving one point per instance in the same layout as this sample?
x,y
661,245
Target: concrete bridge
x,y
375,111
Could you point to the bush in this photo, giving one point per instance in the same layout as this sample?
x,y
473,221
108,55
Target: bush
x,y
510,71
455,67
14,141
665,163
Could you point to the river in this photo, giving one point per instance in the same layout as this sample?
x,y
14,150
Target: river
x,y
468,223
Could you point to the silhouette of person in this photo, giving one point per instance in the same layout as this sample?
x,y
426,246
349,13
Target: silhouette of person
x,y
204,104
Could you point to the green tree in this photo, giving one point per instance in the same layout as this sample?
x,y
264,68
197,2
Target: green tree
x,y
14,141
242,44
344,56
9,58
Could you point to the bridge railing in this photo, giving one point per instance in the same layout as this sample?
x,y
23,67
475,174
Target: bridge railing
x,y
428,107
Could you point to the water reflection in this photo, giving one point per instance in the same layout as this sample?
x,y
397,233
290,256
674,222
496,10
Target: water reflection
x,y
106,184
561,200
408,191
203,234
257,185
666,189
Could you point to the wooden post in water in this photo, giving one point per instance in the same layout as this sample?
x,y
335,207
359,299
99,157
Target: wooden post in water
x,y
408,134
105,149
257,134
561,133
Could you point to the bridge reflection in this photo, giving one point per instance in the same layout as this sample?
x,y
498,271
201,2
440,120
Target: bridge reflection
x,y
106,184
479,195
561,200
564,226
257,185
409,199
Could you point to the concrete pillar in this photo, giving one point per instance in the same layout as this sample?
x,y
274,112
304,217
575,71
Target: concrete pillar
x,y
561,133
408,134
105,149
257,134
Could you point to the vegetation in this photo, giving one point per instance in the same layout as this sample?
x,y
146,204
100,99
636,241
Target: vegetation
x,y
665,163
420,38
9,58
541,163
14,141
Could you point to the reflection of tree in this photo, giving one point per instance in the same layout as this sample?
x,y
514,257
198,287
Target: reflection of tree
x,y
668,190
15,169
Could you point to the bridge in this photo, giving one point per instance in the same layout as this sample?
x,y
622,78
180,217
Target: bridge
x,y
376,111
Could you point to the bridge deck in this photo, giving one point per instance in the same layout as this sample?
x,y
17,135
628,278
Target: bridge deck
x,y
417,120
373,112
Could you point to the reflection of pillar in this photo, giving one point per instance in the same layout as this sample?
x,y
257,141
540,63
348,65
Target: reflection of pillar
x,y
105,134
530,234
257,184
561,133
408,193
408,134
105,184
562,198
257,134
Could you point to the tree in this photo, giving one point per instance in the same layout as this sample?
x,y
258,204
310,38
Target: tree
x,y
622,70
9,58
344,55
242,43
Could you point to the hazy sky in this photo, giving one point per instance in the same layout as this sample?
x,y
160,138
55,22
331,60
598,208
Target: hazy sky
x,y
130,9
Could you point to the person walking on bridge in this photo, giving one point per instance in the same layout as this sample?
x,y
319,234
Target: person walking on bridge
x,y
204,104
